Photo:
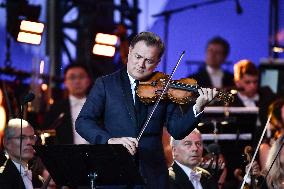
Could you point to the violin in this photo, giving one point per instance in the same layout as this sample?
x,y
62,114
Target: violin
x,y
180,91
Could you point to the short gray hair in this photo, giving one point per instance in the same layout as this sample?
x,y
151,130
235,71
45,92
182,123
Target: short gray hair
x,y
175,142
12,125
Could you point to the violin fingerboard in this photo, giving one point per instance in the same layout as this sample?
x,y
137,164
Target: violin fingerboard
x,y
225,96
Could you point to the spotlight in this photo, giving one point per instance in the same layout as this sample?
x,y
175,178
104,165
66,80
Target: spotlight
x,y
104,50
30,32
106,39
278,49
105,44
21,21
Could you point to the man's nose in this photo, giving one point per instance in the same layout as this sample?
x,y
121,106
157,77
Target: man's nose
x,y
194,147
141,63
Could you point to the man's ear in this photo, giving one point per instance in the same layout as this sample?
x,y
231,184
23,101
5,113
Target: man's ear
x,y
173,151
5,143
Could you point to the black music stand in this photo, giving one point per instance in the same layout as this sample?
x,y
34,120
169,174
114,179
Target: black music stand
x,y
90,165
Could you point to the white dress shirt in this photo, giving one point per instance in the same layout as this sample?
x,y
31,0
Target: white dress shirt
x,y
76,105
26,175
248,102
196,183
216,76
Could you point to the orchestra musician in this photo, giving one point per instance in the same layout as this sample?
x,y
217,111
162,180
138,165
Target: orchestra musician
x,y
185,172
10,177
212,74
112,113
276,109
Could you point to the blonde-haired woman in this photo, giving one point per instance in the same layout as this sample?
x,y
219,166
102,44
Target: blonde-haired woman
x,y
275,178
276,109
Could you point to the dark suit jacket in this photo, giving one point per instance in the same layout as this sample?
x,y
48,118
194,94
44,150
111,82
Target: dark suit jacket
x,y
179,179
109,112
266,97
10,177
64,130
203,79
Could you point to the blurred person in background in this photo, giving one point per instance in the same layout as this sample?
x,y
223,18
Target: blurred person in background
x,y
212,74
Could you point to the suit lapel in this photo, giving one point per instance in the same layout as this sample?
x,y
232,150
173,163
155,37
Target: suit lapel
x,y
181,178
127,93
13,173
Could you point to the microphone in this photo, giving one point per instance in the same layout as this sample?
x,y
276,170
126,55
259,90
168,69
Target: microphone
x,y
239,8
28,98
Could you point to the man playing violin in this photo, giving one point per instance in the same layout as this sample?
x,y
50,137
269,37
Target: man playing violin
x,y
110,116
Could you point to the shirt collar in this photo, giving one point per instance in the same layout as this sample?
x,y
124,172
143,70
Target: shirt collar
x,y
131,79
245,98
74,100
186,169
18,165
211,70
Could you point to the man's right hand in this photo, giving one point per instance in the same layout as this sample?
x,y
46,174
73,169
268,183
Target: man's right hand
x,y
128,142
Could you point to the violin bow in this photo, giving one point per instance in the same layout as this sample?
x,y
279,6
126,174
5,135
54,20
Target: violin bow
x,y
257,148
159,99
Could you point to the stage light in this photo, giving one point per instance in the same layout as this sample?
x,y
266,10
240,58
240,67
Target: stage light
x,y
105,44
23,17
30,32
30,38
32,27
104,50
106,39
278,49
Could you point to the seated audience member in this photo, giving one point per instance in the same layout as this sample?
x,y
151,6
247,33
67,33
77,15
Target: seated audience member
x,y
211,74
63,113
276,128
10,177
185,172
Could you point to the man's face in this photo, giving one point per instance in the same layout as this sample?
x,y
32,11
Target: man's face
x,y
142,60
248,85
13,144
77,82
215,55
189,150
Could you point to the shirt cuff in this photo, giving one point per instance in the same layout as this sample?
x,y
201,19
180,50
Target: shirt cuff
x,y
195,113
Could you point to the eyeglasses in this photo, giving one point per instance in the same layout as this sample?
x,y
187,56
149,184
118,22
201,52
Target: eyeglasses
x,y
25,138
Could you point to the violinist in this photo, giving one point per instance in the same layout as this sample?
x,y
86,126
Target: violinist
x,y
275,178
276,109
113,113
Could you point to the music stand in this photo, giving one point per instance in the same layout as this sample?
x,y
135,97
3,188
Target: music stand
x,y
94,165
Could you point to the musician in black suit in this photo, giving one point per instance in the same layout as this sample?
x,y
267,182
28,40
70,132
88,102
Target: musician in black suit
x,y
185,173
246,78
10,177
211,74
64,112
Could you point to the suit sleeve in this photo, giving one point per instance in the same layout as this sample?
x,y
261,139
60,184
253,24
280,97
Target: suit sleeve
x,y
88,122
180,123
